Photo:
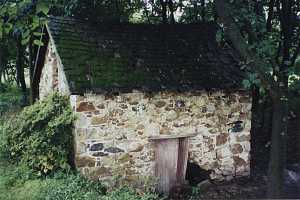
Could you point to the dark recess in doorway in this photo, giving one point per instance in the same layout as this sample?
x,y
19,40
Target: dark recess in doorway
x,y
195,174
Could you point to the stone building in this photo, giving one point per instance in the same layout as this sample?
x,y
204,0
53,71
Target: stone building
x,y
128,82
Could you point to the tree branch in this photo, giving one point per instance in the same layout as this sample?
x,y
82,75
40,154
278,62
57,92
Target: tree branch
x,y
2,6
164,11
270,15
233,33
171,9
296,53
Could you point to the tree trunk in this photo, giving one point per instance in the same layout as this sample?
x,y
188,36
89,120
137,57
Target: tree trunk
x,y
278,148
20,70
270,15
1,63
31,65
171,8
118,11
164,11
31,58
203,11
280,110
196,13
254,129
147,13
3,59
298,137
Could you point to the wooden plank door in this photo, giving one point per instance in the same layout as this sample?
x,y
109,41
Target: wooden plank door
x,y
166,158
182,159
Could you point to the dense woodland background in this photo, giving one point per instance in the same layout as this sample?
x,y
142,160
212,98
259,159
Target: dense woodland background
x,y
265,34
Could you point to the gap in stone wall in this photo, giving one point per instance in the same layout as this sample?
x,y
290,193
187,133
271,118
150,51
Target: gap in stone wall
x,y
195,174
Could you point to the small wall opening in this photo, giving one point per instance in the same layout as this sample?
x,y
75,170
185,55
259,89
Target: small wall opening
x,y
195,174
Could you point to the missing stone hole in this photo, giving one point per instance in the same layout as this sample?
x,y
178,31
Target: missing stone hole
x,y
180,104
195,174
237,127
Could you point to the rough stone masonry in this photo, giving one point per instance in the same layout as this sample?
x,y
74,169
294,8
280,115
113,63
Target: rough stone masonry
x,y
112,131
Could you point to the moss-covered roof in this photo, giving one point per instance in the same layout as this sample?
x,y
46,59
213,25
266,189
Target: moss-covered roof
x,y
142,56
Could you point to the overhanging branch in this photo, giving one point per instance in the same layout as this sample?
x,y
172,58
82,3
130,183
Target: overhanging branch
x,y
297,52
232,32
3,4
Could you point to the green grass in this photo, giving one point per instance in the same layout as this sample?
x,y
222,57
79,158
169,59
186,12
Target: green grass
x,y
31,189
10,99
18,183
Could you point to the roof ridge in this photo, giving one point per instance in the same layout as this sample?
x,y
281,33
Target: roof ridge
x,y
87,22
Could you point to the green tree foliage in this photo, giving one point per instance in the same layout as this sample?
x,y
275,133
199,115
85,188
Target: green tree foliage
x,y
40,137
22,17
266,35
195,11
102,10
21,21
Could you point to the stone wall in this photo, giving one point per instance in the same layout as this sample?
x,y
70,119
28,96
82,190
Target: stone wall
x,y
52,77
111,132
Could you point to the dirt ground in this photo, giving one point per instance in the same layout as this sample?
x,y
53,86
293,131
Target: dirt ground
x,y
240,188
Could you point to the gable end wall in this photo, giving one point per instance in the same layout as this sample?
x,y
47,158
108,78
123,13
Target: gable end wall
x,y
52,77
